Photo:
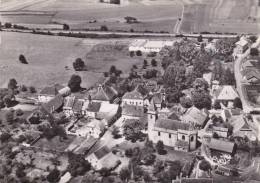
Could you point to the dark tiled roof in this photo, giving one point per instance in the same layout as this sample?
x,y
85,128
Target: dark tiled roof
x,y
54,104
130,110
94,106
182,143
102,152
221,145
169,124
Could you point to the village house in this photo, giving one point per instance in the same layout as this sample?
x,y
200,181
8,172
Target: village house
x,y
102,158
133,98
241,46
104,94
88,127
73,106
53,105
228,114
48,93
222,146
172,133
195,117
90,109
225,94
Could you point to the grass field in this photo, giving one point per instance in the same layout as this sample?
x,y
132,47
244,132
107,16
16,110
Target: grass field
x,y
153,15
48,55
240,16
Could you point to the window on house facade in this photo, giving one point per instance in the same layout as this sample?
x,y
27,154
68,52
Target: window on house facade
x,y
159,133
183,137
192,138
151,116
170,135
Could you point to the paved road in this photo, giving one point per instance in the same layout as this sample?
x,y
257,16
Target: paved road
x,y
246,107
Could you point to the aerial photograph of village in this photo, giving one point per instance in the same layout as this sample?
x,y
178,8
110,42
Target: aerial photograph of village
x,y
130,91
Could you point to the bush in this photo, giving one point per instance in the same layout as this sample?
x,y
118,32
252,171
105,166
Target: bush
x,y
160,148
103,28
149,159
254,52
32,89
19,112
22,59
205,165
237,103
8,25
138,53
79,65
66,27
154,63
200,39
129,152
53,176
115,133
23,88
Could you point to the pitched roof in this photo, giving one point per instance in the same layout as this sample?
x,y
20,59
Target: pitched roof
x,y
195,115
54,104
168,124
78,104
133,95
51,90
93,106
221,145
240,123
226,92
102,152
242,42
130,110
105,93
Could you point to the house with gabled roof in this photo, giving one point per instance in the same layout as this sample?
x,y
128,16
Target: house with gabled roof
x,y
133,98
222,146
53,105
102,158
104,94
132,112
195,117
173,133
49,92
225,94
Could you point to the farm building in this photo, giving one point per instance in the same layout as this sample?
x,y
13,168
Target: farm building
x,y
147,46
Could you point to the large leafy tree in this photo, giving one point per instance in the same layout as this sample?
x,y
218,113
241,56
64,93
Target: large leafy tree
x,y
174,75
201,99
74,83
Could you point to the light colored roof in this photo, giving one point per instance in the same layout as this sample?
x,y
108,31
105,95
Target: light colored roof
x,y
226,92
133,95
65,178
195,115
158,44
242,42
93,106
138,43
53,104
104,93
240,123
221,145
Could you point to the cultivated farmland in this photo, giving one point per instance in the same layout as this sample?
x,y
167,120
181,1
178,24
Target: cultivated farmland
x,y
49,55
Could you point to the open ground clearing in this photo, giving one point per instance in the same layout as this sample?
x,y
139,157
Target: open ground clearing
x,y
49,55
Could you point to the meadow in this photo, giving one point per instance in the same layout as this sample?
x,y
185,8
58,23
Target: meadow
x,y
49,55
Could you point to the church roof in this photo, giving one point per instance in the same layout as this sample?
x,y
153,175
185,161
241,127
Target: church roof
x,y
226,92
169,124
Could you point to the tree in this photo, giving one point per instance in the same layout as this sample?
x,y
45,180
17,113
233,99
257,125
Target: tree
x,y
237,103
125,174
149,159
145,64
79,65
228,78
154,63
20,171
4,137
9,116
78,165
23,88
201,100
186,102
254,52
216,105
12,85
103,28
32,89
53,176
200,84
8,25
215,135
253,39
8,101
133,130
112,69
160,147
130,20
105,172
174,76
74,83
138,53
205,165
115,132
132,53
22,59
147,177
66,27
200,38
